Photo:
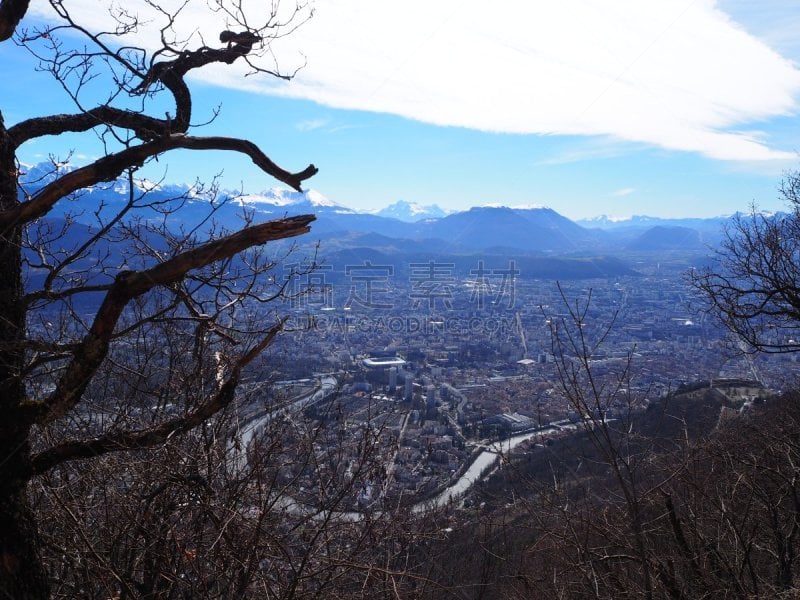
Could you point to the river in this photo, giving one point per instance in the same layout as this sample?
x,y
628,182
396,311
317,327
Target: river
x,y
482,463
485,460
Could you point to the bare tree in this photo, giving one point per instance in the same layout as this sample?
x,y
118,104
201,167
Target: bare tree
x,y
604,407
78,300
186,519
753,287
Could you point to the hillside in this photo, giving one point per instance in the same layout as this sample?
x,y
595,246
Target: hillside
x,y
715,499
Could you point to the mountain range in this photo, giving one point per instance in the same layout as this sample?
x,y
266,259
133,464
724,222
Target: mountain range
x,y
401,229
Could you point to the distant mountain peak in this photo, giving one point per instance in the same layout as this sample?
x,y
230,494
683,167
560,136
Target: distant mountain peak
x,y
642,221
403,210
514,206
601,219
44,173
530,207
317,199
278,197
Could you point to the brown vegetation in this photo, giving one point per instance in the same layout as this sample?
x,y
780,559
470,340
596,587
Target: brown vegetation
x,y
130,332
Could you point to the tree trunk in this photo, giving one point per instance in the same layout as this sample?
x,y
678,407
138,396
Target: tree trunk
x,y
22,575
21,571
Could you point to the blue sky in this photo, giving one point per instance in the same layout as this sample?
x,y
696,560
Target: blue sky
x,y
664,108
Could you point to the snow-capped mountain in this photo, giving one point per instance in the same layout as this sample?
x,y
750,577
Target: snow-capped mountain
x,y
411,212
603,221
42,174
513,206
401,227
284,199
643,221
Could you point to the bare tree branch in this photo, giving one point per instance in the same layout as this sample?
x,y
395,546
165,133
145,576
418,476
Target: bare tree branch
x,y
144,126
144,438
11,13
171,73
120,311
753,288
131,284
111,166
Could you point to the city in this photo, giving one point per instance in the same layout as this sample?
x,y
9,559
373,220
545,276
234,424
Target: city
x,y
399,300
437,367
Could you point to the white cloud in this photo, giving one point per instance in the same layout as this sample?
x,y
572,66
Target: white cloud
x,y
679,75
623,192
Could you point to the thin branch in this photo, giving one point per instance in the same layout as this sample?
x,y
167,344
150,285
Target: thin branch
x,y
132,284
158,434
